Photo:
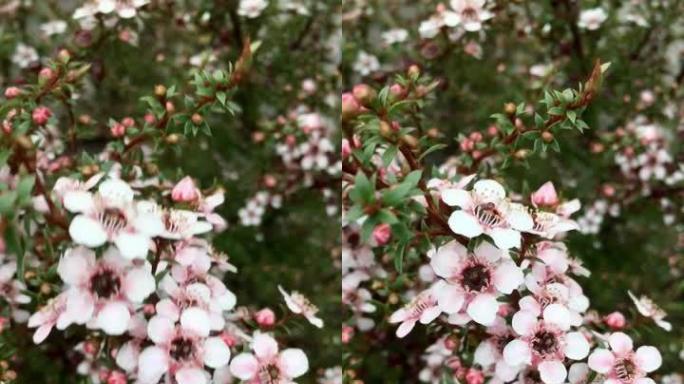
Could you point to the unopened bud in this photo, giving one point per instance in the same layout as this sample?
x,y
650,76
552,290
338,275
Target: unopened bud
x,y
547,136
409,140
364,93
413,71
172,138
45,289
64,56
12,92
509,108
196,118
170,107
350,106
159,90
24,142
385,130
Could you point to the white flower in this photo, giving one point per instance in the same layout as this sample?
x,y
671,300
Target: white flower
x,y
267,364
648,308
55,27
592,19
24,55
485,210
471,13
251,8
393,36
112,215
366,64
299,304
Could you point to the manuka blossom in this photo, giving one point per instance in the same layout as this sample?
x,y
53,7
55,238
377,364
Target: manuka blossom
x,y
470,13
545,343
621,364
299,304
266,364
251,8
485,210
102,292
179,353
592,19
421,308
473,282
648,308
489,353
112,215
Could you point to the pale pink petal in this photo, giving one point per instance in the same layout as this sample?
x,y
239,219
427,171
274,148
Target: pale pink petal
x,y
529,304
191,376
648,358
42,333
264,346
457,198
489,191
132,245
517,352
160,329
167,308
524,322
113,318
152,364
462,223
446,260
75,265
398,316
216,352
557,314
293,362
87,231
449,297
430,314
601,360
79,306
644,380
78,201
138,284
405,328
576,346
196,320
505,238
552,372
244,366
486,354
620,343
127,356
508,277
489,252
578,373
483,309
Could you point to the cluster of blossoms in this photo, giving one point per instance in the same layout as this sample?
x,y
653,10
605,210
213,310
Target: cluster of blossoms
x,y
530,306
173,312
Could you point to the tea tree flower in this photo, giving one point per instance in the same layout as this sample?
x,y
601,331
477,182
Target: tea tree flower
x,y
648,308
421,308
299,304
592,19
621,364
267,364
251,8
471,13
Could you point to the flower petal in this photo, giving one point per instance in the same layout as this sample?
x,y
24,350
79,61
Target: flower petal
x,y
601,360
517,352
552,372
620,343
113,318
86,231
465,224
648,358
576,346
483,309
293,362
216,352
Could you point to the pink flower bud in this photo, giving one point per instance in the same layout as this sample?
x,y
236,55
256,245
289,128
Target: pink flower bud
x,y
12,92
382,233
475,136
118,130
450,343
492,130
3,323
545,195
615,320
117,377
46,74
364,93
185,191
347,334
270,181
290,140
608,190
89,348
346,149
128,121
474,376
229,339
397,91
149,118
149,309
350,106
41,115
467,145
103,374
265,318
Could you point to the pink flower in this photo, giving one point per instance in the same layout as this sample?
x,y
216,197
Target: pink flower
x,y
41,115
179,353
346,148
46,74
299,304
422,308
102,291
12,92
347,334
118,130
47,317
484,210
265,317
473,281
470,13
545,343
615,320
382,234
112,215
545,196
474,376
267,365
185,191
117,377
622,365
650,309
